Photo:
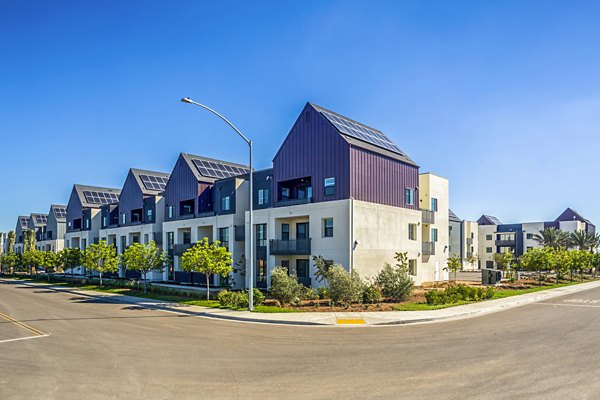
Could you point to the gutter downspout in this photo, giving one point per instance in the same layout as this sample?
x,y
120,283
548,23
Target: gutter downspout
x,y
351,216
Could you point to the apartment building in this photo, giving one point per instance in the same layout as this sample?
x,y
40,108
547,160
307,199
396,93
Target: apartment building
x,y
138,215
84,216
52,237
204,198
37,223
496,237
464,241
22,226
344,191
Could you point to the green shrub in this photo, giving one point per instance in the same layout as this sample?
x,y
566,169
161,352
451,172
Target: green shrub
x,y
372,294
323,292
284,288
239,300
456,293
257,297
395,282
345,288
309,294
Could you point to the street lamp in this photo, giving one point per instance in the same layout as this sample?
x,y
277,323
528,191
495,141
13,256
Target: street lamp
x,y
249,142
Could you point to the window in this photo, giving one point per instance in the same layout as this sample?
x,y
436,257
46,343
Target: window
x,y
123,218
285,231
434,206
412,267
489,264
123,244
488,250
186,207
329,186
224,237
263,196
136,215
261,235
170,240
87,223
187,237
434,234
225,203
104,222
530,236
409,197
472,235
489,237
286,264
146,241
328,227
412,231
83,244
170,211
149,215
302,268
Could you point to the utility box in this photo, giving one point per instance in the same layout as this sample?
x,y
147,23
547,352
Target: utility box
x,y
490,276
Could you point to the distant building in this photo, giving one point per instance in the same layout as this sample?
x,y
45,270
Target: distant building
x,y
464,241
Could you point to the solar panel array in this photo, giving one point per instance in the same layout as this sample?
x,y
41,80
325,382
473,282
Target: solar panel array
x,y
60,212
361,132
40,218
152,182
98,197
24,222
217,170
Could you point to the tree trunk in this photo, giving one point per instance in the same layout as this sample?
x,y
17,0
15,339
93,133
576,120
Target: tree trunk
x,y
207,287
100,278
144,273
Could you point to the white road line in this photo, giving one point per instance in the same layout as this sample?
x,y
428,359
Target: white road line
x,y
568,305
23,338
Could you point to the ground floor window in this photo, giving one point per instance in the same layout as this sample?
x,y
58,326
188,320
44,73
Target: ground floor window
x,y
412,267
302,268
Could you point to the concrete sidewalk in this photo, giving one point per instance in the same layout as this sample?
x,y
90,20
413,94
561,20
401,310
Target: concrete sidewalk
x,y
375,318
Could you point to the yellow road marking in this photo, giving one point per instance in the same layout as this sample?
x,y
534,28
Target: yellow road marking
x,y
351,321
22,325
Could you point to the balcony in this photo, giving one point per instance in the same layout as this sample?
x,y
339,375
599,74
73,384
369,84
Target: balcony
x,y
289,247
469,241
505,242
469,254
428,248
179,249
293,202
428,216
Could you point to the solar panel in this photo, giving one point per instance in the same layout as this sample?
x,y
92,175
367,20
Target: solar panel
x,y
60,212
95,197
41,219
217,170
24,222
361,132
152,182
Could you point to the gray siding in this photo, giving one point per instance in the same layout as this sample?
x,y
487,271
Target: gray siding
x,y
74,210
131,198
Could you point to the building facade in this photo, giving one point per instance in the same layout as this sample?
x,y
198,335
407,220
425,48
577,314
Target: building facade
x,y
464,241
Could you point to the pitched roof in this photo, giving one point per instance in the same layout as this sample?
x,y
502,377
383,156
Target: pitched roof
x,y
23,220
453,217
96,196
488,220
211,170
569,214
38,220
150,182
59,211
363,136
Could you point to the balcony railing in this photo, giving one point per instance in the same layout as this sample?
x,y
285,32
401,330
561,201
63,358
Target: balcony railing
x,y
505,242
428,248
293,202
289,247
469,254
469,241
428,216
179,249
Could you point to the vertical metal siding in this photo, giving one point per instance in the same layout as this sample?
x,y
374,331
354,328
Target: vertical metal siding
x,y
131,198
183,185
74,209
378,179
313,148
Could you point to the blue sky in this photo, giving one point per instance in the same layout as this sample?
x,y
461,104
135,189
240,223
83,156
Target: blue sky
x,y
500,97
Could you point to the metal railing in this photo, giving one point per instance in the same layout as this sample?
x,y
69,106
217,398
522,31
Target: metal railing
x,y
289,247
293,202
428,248
505,242
428,216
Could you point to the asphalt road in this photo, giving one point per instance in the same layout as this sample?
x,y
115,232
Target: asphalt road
x,y
99,350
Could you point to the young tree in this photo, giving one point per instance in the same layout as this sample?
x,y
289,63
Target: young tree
x,y
50,261
285,288
536,260
28,240
11,238
345,287
70,259
322,269
144,258
102,258
504,261
209,259
31,259
454,265
580,260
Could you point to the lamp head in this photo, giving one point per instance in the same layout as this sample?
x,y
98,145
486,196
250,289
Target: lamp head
x,y
187,100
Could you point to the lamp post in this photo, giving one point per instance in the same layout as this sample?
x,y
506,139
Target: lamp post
x,y
250,175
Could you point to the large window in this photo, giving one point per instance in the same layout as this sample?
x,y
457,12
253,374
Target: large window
x,y
186,207
224,237
263,196
434,234
412,231
434,206
328,227
409,197
187,237
225,203
261,235
329,186
136,215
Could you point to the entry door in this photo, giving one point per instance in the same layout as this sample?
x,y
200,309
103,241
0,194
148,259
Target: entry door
x,y
302,231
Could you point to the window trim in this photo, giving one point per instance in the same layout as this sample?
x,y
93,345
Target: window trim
x,y
327,229
329,186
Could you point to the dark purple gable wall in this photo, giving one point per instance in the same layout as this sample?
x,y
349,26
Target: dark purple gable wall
x,y
74,208
131,197
381,180
313,148
182,185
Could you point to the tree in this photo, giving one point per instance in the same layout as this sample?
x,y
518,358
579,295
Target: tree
x,y
473,259
28,240
322,269
285,288
70,259
536,260
209,259
31,259
504,261
345,287
580,260
144,258
454,265
552,237
11,238
562,262
10,261
102,258
50,261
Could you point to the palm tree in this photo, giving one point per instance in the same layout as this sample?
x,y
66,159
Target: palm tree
x,y
552,237
594,242
581,239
